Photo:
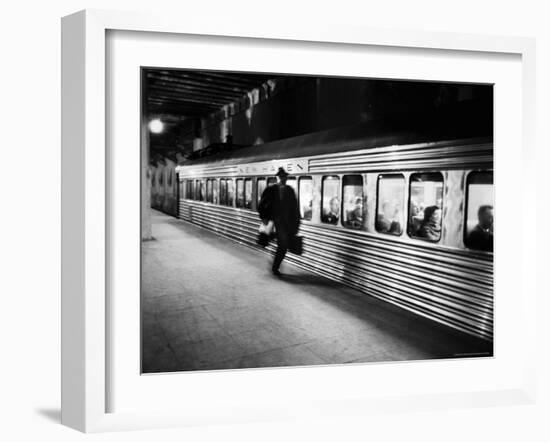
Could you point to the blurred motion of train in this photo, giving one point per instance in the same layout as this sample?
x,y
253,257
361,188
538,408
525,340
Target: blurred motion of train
x,y
164,187
405,217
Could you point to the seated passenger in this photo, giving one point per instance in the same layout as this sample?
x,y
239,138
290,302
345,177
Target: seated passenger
x,y
331,217
354,217
417,216
307,209
431,224
481,236
386,221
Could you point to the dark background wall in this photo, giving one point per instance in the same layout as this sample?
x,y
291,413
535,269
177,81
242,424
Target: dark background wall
x,y
291,106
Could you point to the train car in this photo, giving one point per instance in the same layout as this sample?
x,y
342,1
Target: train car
x,y
404,217
164,187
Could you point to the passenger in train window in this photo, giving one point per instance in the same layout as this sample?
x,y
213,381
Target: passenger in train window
x,y
426,200
388,218
481,236
352,213
306,209
280,205
479,211
390,201
330,213
431,224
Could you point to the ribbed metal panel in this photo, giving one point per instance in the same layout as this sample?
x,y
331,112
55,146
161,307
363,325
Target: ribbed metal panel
x,y
421,156
448,285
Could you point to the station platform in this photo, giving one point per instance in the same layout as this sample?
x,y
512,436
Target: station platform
x,y
210,303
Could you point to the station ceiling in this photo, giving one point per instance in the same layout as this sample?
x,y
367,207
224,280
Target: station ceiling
x,y
196,94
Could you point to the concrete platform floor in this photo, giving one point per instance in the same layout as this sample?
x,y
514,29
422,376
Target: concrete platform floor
x,y
210,303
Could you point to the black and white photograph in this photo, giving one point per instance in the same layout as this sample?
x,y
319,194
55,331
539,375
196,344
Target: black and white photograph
x,y
292,220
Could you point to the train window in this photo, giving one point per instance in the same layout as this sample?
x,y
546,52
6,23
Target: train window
x,y
261,185
248,193
478,232
190,192
209,190
305,197
161,178
291,181
216,191
223,192
202,190
240,193
389,204
330,212
230,192
352,201
198,190
169,178
425,205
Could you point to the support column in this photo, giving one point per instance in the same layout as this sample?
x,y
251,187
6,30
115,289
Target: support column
x,y
146,232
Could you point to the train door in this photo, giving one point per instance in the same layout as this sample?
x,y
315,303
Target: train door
x,y
179,192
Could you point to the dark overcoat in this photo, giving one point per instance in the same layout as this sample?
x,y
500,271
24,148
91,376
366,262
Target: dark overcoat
x,y
281,207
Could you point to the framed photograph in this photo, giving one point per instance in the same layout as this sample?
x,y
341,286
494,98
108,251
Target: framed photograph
x,y
261,224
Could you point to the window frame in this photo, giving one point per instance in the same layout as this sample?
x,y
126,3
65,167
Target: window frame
x,y
223,191
298,197
231,202
237,180
466,202
405,212
432,241
189,194
339,193
362,227
215,184
197,190
248,180
209,190
202,190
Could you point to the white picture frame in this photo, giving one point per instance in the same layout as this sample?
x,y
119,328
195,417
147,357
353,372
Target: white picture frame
x,y
85,304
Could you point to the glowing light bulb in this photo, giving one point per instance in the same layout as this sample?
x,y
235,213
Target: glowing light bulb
x,y
156,126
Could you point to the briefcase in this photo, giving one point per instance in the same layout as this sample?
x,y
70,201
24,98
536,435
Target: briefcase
x,y
296,245
262,240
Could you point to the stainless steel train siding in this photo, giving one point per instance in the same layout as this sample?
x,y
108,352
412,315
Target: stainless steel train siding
x,y
444,282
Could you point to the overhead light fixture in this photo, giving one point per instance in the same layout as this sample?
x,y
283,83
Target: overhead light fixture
x,y
156,126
